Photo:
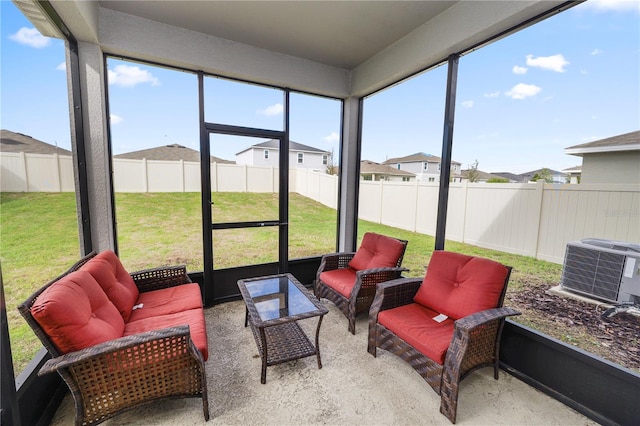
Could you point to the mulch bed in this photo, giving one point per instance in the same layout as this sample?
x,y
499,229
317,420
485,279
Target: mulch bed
x,y
618,336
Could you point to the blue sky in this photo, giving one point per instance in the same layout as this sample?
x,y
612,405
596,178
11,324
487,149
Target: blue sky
x,y
570,79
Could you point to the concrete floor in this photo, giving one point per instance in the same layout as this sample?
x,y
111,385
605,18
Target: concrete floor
x,y
353,387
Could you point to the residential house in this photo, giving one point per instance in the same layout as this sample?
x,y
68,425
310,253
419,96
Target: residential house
x,y
610,160
426,167
18,142
372,171
574,174
556,176
300,156
512,177
480,176
173,152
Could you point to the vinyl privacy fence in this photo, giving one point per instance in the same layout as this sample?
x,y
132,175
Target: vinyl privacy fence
x,y
528,219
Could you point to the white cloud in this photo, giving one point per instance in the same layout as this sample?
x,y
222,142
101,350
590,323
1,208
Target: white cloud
x,y
129,76
553,63
332,137
519,70
596,51
613,5
521,91
492,94
62,66
275,109
115,119
30,37
467,104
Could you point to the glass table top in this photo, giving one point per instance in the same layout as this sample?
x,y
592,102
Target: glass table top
x,y
279,297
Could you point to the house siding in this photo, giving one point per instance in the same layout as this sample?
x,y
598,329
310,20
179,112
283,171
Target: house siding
x,y
611,167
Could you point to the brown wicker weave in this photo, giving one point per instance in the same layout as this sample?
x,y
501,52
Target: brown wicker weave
x,y
364,289
475,341
282,339
125,373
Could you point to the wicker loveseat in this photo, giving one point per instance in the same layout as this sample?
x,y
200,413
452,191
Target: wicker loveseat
x,y
444,326
349,279
121,340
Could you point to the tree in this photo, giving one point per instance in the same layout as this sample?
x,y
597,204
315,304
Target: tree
x,y
332,168
544,174
472,174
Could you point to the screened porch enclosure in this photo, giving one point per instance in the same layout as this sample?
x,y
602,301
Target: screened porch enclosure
x,y
277,48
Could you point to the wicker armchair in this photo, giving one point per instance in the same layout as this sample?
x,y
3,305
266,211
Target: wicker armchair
x,y
349,279
469,339
124,373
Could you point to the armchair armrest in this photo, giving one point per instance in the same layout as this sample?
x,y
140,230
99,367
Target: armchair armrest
x,y
162,277
128,347
394,293
467,324
334,261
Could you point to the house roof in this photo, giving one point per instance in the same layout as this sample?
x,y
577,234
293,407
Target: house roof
x,y
371,167
18,142
293,146
481,175
415,158
173,152
574,169
508,175
525,177
625,142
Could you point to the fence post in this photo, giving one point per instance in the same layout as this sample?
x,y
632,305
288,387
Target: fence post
x,y
182,172
145,181
539,200
56,173
23,157
465,195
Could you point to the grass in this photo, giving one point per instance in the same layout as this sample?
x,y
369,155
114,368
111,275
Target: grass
x,y
40,240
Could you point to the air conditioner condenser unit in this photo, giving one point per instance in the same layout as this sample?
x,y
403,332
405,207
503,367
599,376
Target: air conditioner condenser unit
x,y
603,269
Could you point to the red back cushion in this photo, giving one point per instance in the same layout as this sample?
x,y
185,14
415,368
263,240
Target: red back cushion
x,y
458,285
116,282
76,313
377,251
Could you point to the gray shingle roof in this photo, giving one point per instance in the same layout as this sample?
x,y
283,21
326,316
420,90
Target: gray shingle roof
x,y
173,152
18,142
508,175
293,146
631,138
481,175
417,157
367,166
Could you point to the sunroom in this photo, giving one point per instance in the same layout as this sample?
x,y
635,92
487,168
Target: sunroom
x,y
243,73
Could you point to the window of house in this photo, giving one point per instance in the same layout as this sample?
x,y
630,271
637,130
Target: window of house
x,y
398,166
405,179
432,179
266,154
301,158
325,159
367,177
425,166
439,165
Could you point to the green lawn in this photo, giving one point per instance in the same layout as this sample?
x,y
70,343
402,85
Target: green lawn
x,y
40,240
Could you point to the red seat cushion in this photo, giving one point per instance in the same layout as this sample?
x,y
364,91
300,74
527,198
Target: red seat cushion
x,y
415,325
114,280
458,285
76,313
194,318
377,251
341,280
167,301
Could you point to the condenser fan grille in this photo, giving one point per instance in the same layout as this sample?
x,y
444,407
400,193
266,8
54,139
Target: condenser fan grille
x,y
593,272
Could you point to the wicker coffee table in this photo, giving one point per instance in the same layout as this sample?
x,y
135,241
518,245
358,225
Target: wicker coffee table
x,y
274,305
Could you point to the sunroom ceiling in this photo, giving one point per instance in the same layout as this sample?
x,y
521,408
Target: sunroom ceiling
x,y
343,34
333,48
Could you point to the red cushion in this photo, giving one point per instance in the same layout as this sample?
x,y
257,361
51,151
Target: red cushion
x,y
341,280
193,317
377,251
414,324
76,313
167,301
114,280
458,285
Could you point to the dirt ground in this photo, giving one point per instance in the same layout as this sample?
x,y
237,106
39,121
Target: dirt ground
x,y
581,324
